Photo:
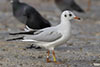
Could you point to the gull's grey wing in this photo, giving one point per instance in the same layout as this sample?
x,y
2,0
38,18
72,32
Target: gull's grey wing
x,y
45,36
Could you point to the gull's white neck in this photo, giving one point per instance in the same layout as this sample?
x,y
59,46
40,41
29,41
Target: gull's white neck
x,y
65,24
65,28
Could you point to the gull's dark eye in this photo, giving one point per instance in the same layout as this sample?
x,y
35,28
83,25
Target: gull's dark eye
x,y
65,15
70,15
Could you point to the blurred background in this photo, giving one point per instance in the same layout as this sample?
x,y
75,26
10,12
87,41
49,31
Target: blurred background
x,y
83,45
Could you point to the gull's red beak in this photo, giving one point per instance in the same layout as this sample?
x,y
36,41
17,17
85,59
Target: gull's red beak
x,y
77,18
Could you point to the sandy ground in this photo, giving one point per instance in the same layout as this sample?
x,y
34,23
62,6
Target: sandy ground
x,y
82,50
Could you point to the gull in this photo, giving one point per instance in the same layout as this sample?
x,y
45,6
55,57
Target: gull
x,y
52,37
29,16
68,5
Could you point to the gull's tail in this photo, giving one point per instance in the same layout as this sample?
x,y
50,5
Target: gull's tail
x,y
19,38
29,33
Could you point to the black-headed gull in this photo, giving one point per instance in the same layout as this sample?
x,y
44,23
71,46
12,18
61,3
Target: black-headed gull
x,y
52,37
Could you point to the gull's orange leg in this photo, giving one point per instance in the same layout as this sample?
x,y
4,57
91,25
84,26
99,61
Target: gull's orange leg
x,y
54,58
89,5
48,56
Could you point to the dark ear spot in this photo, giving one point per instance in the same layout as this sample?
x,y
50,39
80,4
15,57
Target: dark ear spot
x,y
65,15
70,15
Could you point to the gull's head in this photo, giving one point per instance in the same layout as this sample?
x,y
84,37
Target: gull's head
x,y
68,15
12,1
